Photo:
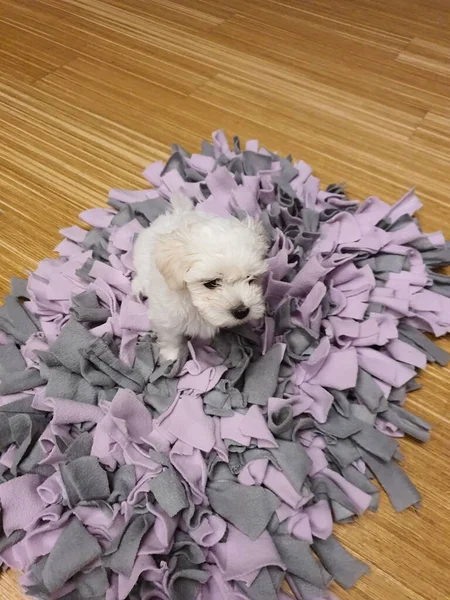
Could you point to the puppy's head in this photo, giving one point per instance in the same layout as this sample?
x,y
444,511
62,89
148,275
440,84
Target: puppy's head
x,y
220,263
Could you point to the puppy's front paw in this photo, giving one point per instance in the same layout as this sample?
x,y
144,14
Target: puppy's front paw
x,y
137,287
169,353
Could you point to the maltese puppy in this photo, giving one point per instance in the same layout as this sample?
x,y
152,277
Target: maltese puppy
x,y
200,273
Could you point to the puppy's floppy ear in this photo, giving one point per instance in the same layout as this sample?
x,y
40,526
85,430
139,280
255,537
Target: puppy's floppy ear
x,y
263,238
172,259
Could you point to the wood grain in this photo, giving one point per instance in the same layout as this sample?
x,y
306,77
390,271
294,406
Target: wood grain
x,y
93,90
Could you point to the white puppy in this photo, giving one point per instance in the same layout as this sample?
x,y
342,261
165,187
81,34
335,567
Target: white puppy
x,y
200,273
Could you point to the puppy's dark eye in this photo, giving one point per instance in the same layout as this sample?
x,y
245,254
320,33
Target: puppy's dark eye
x,y
251,280
211,285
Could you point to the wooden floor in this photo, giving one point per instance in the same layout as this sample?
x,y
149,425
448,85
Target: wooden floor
x,y
92,90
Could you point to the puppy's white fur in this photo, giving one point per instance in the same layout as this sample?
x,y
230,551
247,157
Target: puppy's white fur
x,y
181,252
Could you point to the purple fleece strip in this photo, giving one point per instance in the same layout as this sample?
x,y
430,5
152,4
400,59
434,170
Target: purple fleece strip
x,y
216,477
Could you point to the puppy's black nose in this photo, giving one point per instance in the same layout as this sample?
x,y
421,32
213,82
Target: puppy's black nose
x,y
240,312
